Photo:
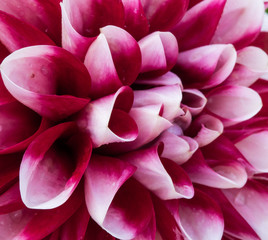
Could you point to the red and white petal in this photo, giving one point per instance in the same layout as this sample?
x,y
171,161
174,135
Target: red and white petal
x,y
240,23
53,165
160,175
34,77
206,66
233,104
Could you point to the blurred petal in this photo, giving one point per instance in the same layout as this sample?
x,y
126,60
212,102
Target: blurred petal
x,y
53,165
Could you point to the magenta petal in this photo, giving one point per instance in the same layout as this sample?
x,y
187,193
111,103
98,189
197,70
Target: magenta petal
x,y
107,119
240,23
16,34
122,57
215,172
43,15
159,52
233,104
61,89
162,15
198,25
53,165
162,176
206,66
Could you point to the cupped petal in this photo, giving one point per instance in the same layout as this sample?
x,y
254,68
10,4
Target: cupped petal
x,y
233,104
251,203
198,25
216,172
159,52
261,87
162,15
169,96
205,129
107,119
162,176
44,15
184,119
47,79
119,53
194,100
53,165
206,66
240,23
28,224
251,64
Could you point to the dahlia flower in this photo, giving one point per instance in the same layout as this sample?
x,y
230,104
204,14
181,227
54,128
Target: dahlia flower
x,y
133,119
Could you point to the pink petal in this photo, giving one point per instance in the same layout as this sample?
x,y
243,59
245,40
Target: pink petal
x,y
169,96
44,15
160,175
198,25
205,129
16,34
215,172
53,165
240,23
66,91
251,202
107,119
233,104
184,119
251,64
194,100
261,86
135,21
121,54
162,15
206,66
159,52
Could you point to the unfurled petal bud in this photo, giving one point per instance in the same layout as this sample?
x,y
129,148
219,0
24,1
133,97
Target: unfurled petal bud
x,y
113,60
251,64
240,22
44,15
205,129
193,100
198,25
47,79
107,119
169,96
113,199
206,66
216,172
53,165
233,104
159,52
162,15
160,175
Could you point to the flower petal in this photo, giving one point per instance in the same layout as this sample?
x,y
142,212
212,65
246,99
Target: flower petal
x,y
53,165
34,77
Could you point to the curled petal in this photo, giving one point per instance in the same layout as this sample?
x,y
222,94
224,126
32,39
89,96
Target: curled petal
x,y
135,20
206,66
169,96
34,77
122,57
217,172
198,25
233,104
240,23
162,15
194,100
251,203
162,176
107,119
16,34
159,52
184,119
53,165
251,64
44,15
